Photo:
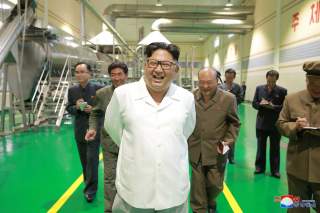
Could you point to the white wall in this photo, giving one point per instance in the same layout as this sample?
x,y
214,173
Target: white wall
x,y
254,53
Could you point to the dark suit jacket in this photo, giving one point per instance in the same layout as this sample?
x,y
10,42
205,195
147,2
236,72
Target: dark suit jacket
x,y
103,97
266,118
88,94
236,89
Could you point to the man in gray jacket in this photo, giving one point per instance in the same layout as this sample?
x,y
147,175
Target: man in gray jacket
x,y
118,73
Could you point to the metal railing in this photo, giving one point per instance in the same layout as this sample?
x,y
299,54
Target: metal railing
x,y
42,85
63,91
66,65
39,82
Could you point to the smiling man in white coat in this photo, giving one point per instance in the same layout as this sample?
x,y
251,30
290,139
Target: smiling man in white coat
x,y
151,120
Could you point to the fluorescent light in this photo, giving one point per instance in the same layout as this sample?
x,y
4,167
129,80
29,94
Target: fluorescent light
x,y
13,1
230,35
216,42
156,23
5,6
159,4
226,21
72,44
69,38
229,5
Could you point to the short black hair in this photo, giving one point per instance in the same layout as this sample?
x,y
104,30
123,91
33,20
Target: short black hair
x,y
273,73
118,64
171,48
230,70
87,65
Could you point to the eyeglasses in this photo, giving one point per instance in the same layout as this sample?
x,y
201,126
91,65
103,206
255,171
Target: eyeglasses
x,y
165,65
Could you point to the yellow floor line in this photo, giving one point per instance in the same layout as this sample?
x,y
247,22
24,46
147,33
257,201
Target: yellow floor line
x,y
231,200
61,201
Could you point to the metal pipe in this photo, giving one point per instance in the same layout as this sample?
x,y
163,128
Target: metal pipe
x,y
82,23
110,27
46,9
4,95
176,11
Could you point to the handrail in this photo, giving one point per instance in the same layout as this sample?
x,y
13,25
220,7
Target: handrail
x,y
63,86
38,84
41,91
63,106
63,70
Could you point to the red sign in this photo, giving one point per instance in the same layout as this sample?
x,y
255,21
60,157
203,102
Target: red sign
x,y
315,13
295,21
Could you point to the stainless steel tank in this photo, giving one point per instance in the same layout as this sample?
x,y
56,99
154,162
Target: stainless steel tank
x,y
35,54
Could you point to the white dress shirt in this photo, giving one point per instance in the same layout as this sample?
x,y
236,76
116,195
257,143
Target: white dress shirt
x,y
153,167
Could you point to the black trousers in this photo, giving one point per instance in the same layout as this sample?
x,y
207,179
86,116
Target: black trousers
x,y
274,137
89,157
306,191
231,152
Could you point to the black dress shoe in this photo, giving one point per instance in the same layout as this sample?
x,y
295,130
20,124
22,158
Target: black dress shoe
x,y
276,175
212,210
231,161
258,171
89,197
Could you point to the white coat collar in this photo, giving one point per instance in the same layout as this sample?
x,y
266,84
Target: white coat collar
x,y
143,93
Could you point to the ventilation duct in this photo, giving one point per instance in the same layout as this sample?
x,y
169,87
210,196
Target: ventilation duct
x,y
115,11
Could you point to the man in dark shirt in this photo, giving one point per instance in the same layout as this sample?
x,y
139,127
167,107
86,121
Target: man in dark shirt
x,y
268,100
234,88
244,89
80,101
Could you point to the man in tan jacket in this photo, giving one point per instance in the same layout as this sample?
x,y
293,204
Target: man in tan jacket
x,y
299,120
118,73
217,127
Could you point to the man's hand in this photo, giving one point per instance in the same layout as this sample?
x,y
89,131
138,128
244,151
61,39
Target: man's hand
x,y
90,135
264,102
221,145
301,123
78,102
88,108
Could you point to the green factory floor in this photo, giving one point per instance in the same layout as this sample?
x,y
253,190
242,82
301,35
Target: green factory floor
x,y
38,166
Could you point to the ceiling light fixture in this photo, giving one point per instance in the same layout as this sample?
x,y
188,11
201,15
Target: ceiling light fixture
x,y
229,4
226,21
156,23
159,4
69,38
5,6
230,35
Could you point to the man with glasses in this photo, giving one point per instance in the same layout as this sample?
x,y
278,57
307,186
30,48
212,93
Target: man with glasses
x,y
80,101
118,72
230,86
151,121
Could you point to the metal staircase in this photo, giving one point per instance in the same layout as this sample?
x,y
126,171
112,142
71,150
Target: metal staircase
x,y
51,95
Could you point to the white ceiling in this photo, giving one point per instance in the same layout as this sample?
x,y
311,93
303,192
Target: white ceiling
x,y
129,27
